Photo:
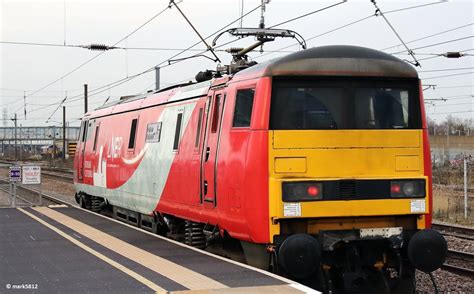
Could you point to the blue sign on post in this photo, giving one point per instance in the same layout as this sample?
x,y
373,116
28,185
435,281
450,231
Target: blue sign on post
x,y
15,174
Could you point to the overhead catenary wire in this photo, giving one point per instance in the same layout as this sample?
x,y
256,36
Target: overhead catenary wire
x,y
348,25
457,86
232,41
96,56
241,12
452,112
446,69
436,44
39,44
453,104
451,75
461,97
131,48
124,80
119,82
65,98
429,36
209,48
127,79
441,55
410,51
308,14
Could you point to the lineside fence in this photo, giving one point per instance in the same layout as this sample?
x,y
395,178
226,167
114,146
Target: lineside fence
x,y
453,189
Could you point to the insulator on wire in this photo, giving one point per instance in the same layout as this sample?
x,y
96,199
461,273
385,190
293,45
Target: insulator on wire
x,y
452,54
100,47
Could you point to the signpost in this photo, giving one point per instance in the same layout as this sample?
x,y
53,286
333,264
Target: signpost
x,y
31,175
15,176
26,175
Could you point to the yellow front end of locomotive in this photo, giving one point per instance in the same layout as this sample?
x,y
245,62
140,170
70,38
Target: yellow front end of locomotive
x,y
332,155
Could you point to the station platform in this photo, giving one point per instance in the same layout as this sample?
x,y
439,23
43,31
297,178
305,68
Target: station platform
x,y
62,249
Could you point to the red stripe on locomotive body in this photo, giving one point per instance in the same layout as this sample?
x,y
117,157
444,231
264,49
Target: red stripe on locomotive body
x,y
426,159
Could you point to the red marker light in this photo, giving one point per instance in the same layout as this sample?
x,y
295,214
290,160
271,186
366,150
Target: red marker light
x,y
395,188
313,191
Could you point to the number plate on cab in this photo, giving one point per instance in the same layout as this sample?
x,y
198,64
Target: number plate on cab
x,y
380,232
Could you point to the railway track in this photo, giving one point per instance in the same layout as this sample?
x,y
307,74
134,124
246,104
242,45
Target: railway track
x,y
457,262
460,263
458,231
62,176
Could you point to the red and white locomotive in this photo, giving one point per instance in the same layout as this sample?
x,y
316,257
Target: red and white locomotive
x,y
318,163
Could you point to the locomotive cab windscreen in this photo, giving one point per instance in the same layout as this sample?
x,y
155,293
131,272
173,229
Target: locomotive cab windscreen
x,y
347,104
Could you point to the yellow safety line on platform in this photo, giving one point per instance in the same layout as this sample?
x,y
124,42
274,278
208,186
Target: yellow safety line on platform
x,y
180,274
273,289
113,263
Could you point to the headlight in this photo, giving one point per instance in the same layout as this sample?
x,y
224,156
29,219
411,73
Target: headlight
x,y
302,191
407,188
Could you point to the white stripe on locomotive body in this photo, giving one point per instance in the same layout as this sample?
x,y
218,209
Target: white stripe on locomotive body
x,y
194,90
143,190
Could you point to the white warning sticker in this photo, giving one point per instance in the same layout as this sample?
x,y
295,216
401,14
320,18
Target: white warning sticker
x,y
418,205
292,209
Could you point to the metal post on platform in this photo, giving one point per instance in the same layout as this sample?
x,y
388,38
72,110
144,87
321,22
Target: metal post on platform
x,y
16,150
21,144
64,133
465,187
14,194
40,196
12,204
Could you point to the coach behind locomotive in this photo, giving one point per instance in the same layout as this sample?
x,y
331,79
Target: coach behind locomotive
x,y
318,163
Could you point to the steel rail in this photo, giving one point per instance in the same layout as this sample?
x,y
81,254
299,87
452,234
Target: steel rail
x,y
65,178
467,256
466,272
458,231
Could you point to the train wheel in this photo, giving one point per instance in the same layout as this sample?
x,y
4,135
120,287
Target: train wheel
x,y
194,234
96,204
82,203
85,201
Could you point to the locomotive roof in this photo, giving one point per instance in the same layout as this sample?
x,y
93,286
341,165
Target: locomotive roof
x,y
336,60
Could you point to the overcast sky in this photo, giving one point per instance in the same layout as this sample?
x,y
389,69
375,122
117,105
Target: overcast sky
x,y
30,68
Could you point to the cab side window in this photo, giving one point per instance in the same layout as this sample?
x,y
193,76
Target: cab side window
x,y
133,133
243,108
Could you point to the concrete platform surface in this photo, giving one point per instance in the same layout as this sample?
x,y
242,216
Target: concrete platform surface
x,y
69,250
